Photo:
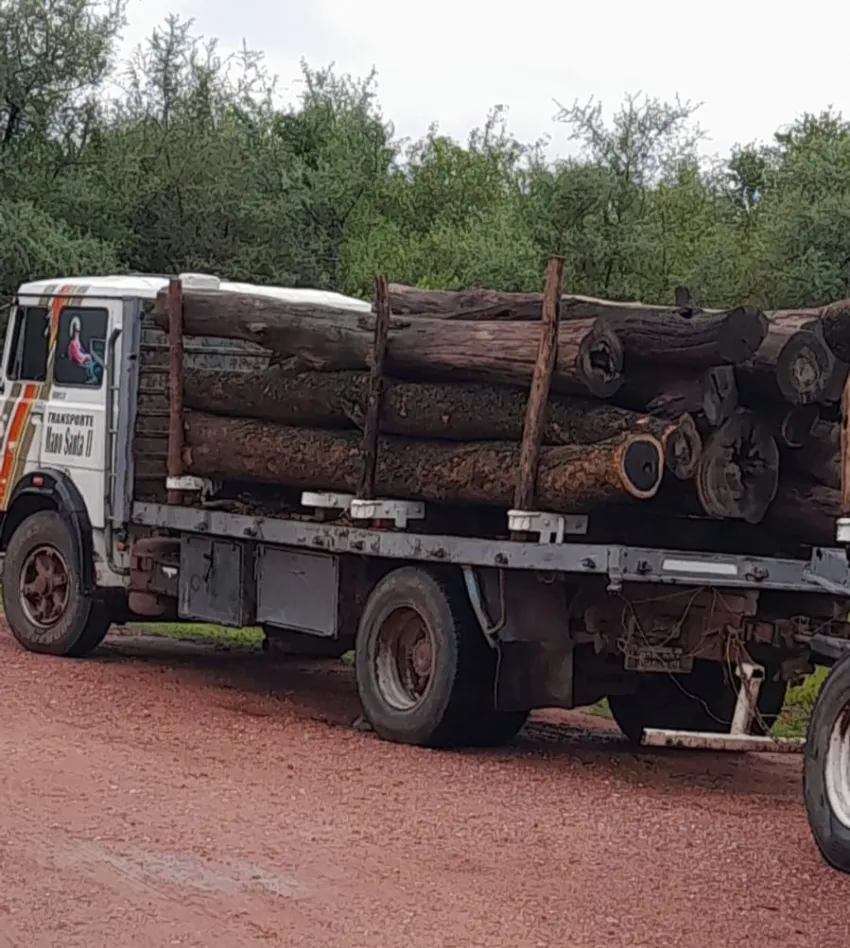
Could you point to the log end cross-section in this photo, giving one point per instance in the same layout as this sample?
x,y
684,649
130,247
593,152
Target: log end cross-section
x,y
738,475
600,360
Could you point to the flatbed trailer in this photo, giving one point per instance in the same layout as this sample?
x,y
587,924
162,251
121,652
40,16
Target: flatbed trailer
x,y
457,634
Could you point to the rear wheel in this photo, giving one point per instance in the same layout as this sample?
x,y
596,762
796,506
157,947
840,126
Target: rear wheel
x,y
425,673
826,768
702,701
45,607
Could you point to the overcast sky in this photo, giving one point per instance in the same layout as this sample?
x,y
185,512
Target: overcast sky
x,y
754,65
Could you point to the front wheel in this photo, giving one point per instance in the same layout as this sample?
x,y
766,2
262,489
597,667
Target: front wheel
x,y
45,607
826,768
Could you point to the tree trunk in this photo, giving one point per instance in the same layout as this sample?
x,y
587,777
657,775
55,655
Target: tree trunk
x,y
648,333
672,392
570,479
793,363
738,474
451,411
590,356
820,460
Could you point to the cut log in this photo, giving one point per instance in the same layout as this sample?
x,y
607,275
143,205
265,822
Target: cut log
x,y
793,363
835,325
590,355
574,478
496,304
738,474
451,411
719,394
672,392
807,512
668,334
792,426
821,459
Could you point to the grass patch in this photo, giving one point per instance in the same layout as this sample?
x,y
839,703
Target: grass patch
x,y
200,632
798,706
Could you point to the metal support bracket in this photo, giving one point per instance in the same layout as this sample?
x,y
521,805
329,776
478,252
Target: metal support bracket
x,y
400,512
738,738
188,482
549,527
322,500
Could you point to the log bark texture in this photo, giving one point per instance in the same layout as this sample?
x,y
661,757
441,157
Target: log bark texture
x,y
590,355
793,363
738,474
666,334
574,478
450,411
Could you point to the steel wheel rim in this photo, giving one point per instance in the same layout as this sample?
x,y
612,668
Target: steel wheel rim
x,y
404,659
45,586
837,767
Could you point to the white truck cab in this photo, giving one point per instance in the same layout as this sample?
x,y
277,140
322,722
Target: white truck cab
x,y
68,377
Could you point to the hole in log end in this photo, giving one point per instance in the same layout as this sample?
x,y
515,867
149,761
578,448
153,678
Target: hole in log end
x,y
642,466
804,369
742,332
738,475
682,448
601,360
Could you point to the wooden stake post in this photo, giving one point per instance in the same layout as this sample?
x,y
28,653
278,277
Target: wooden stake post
x,y
538,396
371,425
845,450
175,385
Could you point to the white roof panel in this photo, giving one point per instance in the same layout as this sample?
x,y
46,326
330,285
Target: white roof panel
x,y
139,286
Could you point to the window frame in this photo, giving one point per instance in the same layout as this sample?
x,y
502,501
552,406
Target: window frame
x,y
18,342
81,385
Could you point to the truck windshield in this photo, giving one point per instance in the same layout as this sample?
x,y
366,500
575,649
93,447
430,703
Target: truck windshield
x,y
30,342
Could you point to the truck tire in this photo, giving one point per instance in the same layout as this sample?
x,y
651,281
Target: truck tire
x,y
424,670
702,701
826,768
45,607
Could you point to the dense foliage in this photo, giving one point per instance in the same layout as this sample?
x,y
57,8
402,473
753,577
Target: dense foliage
x,y
181,160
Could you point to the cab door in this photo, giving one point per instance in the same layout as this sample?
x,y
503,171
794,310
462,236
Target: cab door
x,y
73,435
52,413
22,388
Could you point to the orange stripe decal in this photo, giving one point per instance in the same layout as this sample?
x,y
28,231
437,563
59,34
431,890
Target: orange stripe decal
x,y
16,425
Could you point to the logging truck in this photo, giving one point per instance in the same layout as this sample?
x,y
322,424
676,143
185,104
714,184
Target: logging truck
x,y
461,624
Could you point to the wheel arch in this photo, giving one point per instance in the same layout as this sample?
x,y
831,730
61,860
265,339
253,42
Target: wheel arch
x,y
48,489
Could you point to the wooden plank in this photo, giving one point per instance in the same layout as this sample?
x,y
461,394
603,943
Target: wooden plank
x,y
175,385
538,396
371,424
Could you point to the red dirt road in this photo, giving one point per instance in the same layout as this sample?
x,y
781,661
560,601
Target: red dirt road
x,y
161,794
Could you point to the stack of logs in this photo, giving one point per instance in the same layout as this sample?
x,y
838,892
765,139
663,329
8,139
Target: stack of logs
x,y
677,413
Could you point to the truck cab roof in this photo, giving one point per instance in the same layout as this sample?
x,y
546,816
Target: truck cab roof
x,y
143,286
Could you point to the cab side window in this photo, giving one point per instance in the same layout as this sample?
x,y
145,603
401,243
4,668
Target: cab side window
x,y
80,347
30,342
